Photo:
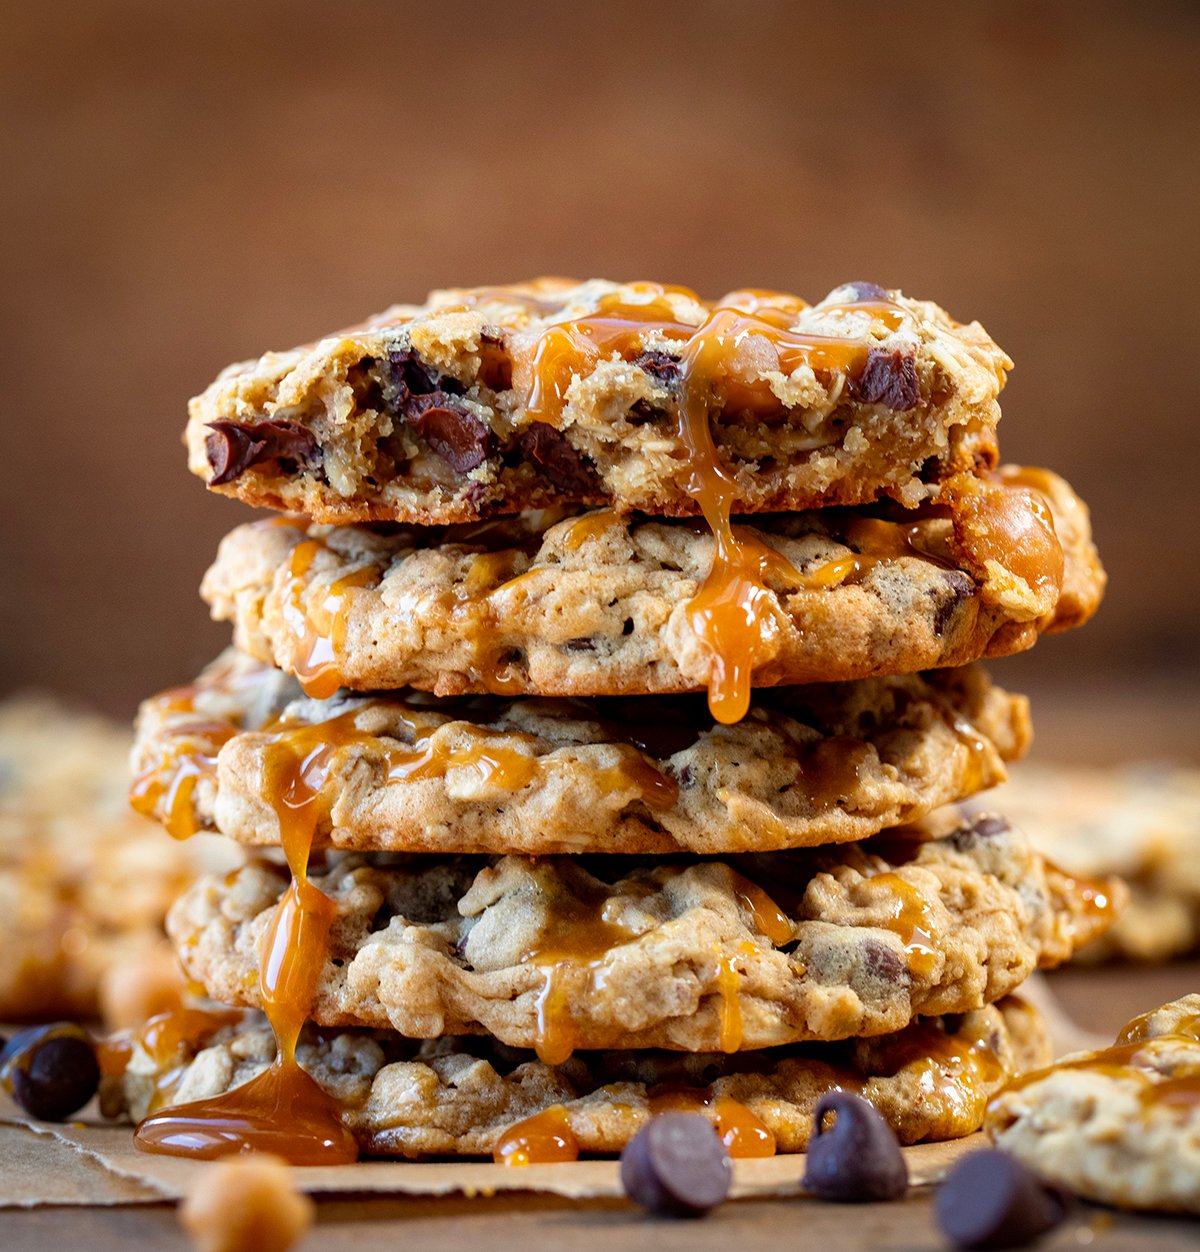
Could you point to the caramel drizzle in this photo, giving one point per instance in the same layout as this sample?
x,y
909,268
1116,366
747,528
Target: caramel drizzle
x,y
912,920
743,1133
1133,1057
545,1138
283,1109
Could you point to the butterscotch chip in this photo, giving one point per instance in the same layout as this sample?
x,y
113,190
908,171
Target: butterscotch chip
x,y
557,953
246,1204
489,401
84,882
410,772
600,605
459,1095
1140,822
1120,1126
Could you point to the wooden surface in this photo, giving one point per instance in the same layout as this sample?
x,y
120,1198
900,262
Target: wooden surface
x,y
1099,999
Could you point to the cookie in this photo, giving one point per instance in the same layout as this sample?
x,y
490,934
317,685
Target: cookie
x,y
488,401
410,772
561,953
601,605
465,1096
1120,1126
1140,822
84,883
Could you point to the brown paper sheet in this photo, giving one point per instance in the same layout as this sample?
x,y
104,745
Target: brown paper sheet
x,y
88,1164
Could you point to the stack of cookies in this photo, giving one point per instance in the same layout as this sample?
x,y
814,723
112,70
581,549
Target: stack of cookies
x,y
601,694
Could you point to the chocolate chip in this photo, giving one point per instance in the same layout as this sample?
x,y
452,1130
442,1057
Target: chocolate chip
x,y
661,366
232,447
990,1200
454,433
583,644
986,827
882,963
888,378
408,376
50,1071
958,587
676,1166
869,291
856,1159
552,454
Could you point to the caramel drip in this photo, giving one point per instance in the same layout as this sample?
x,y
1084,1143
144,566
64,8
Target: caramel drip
x,y
729,983
769,919
165,787
957,1070
282,1110
1133,1057
912,920
732,615
742,1133
1093,895
319,623
545,1138
1012,525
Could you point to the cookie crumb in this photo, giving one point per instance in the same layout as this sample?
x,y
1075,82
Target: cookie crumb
x,y
246,1204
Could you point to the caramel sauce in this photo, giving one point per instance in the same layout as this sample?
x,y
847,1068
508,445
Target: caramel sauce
x,y
282,1110
545,1138
912,920
1132,1057
743,1134
1092,893
1012,525
769,919
732,613
956,1070
729,984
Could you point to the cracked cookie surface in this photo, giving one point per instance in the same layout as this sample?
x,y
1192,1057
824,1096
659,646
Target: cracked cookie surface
x,y
564,953
1120,1126
601,605
487,401
413,773
459,1096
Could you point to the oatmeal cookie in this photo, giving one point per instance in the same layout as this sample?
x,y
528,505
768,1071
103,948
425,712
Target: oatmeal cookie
x,y
602,605
1140,822
409,772
564,953
459,1096
1120,1126
487,401
84,883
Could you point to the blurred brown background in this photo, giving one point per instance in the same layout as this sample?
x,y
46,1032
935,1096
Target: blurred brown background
x,y
185,185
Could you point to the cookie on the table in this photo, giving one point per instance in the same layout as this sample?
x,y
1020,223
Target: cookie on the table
x,y
493,400
84,882
1120,1126
460,1096
601,605
1140,822
410,772
563,953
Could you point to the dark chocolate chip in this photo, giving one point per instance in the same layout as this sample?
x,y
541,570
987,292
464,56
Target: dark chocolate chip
x,y
583,644
990,1200
455,434
408,376
958,587
676,1166
552,454
986,827
661,366
882,963
50,1071
857,1159
888,378
869,291
232,447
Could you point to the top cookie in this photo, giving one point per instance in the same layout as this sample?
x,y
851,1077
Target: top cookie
x,y
488,401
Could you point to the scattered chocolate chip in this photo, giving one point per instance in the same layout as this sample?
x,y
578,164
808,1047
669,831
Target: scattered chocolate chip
x,y
583,644
50,1071
869,291
232,447
882,963
676,1166
958,587
686,777
857,1159
454,433
990,1200
888,378
408,376
661,366
549,450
